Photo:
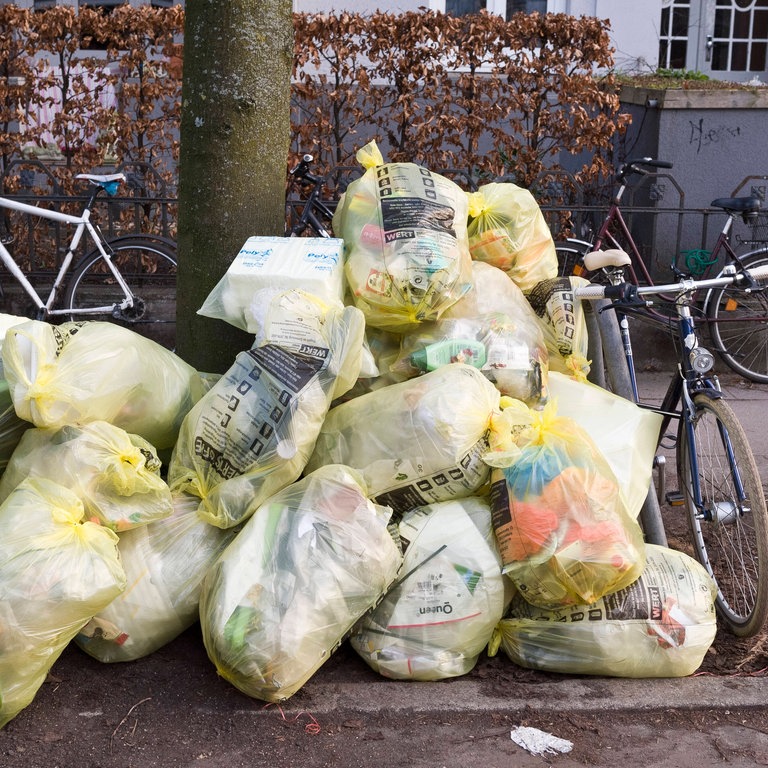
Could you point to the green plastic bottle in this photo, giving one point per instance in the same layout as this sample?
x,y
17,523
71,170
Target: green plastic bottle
x,y
468,351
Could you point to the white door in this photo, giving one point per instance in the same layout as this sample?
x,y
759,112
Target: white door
x,y
725,39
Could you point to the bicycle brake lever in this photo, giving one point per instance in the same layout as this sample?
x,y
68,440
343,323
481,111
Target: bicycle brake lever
x,y
624,295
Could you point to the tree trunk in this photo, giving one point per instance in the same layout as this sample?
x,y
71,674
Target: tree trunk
x,y
235,134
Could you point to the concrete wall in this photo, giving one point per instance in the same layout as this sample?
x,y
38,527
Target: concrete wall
x,y
716,140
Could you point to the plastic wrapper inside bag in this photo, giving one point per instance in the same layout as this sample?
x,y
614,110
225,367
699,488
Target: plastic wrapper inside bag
x,y
311,264
96,371
116,475
416,442
290,587
165,563
56,571
564,531
494,329
563,324
405,233
508,230
254,431
661,625
450,594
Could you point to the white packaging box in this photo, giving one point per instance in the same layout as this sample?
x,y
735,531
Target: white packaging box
x,y
311,264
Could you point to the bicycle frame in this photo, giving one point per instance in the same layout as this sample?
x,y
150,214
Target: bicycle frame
x,y
691,378
82,225
313,203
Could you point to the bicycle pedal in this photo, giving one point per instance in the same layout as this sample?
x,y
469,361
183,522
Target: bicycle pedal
x,y
7,239
674,498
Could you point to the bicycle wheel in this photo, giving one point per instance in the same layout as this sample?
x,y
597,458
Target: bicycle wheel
x,y
732,544
738,324
568,257
149,269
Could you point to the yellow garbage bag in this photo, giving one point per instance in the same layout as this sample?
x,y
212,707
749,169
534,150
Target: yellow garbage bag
x,y
115,475
564,531
165,563
254,430
56,571
405,234
508,230
416,442
304,568
98,371
661,625
447,600
494,329
563,324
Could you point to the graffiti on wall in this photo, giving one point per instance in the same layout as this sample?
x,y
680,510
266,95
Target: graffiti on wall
x,y
702,136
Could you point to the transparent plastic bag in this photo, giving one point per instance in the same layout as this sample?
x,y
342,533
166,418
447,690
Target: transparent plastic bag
x,y
165,563
405,234
564,531
661,625
449,596
290,587
56,571
508,230
96,371
416,442
254,431
493,328
115,475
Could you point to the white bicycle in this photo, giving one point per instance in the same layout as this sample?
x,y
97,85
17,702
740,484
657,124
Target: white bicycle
x,y
130,280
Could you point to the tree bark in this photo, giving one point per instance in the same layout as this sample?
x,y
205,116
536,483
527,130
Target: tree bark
x,y
235,135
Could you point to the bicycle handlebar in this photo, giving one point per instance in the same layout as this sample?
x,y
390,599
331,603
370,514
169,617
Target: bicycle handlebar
x,y
631,166
629,293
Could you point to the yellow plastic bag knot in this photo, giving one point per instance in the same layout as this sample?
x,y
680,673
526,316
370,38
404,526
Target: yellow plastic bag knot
x,y
370,156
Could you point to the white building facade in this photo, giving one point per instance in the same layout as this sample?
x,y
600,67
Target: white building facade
x,y
724,39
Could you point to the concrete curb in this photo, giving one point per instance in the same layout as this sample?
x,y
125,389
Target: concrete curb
x,y
572,694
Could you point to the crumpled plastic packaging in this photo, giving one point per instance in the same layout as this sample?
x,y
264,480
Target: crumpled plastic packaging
x,y
116,475
416,442
254,430
661,625
450,593
165,563
539,742
405,234
290,587
56,571
97,371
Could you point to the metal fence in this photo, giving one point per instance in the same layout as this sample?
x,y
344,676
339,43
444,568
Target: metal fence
x,y
145,204
655,208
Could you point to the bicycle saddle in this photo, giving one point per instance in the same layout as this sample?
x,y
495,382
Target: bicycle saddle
x,y
737,204
97,179
612,257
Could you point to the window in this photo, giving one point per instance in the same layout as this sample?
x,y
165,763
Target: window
x,y
673,35
463,7
741,35
526,6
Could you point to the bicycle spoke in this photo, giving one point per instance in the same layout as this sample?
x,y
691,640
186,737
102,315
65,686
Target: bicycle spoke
x,y
732,540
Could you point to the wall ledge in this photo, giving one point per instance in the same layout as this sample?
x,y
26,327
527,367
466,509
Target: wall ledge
x,y
687,98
